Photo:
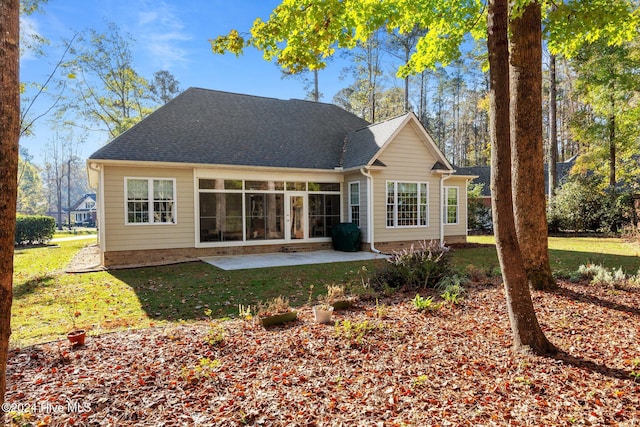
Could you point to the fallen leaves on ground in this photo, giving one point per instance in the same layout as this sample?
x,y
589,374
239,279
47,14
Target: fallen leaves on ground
x,y
388,365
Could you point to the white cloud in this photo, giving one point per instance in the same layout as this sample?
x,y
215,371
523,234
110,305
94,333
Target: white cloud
x,y
161,33
29,38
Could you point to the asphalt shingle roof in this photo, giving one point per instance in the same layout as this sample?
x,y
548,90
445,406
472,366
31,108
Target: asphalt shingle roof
x,y
364,143
213,127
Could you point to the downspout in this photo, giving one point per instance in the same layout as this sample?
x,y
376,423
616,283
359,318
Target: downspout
x,y
364,172
99,171
443,178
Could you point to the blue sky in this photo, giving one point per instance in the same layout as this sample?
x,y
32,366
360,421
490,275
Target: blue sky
x,y
169,35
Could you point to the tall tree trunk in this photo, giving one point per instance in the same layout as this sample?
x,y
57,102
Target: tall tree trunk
x,y
9,135
553,127
526,136
612,144
522,316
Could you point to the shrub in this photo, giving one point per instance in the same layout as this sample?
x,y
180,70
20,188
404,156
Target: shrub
x,y
277,305
422,267
452,289
601,276
581,204
34,229
478,215
421,304
354,332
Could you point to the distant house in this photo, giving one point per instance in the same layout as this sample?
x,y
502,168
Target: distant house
x,y
84,211
483,176
216,173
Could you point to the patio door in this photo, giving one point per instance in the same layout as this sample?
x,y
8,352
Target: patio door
x,y
296,217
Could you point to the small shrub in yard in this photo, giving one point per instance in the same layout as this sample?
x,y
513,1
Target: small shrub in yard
x,y
205,369
354,331
216,332
244,312
414,267
273,306
424,304
452,289
601,276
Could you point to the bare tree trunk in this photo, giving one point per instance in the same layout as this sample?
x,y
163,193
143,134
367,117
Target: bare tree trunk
x,y
612,144
316,91
522,316
526,136
69,192
553,127
9,136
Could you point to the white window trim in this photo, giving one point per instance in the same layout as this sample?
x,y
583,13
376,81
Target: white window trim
x,y
445,206
395,204
198,175
349,198
150,189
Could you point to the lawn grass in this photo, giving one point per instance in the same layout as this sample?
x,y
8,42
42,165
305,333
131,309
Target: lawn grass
x,y
46,298
74,232
565,254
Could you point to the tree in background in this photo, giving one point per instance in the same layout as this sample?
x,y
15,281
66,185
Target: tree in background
x,y
9,137
608,83
367,72
402,45
30,98
164,86
31,199
108,92
553,127
64,175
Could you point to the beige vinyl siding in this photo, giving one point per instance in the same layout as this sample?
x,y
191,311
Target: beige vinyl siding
x,y
459,229
407,159
122,237
364,200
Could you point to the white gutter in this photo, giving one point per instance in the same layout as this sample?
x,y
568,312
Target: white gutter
x,y
364,172
443,178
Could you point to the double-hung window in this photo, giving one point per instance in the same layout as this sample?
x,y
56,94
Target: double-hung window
x,y
354,203
150,201
407,204
450,205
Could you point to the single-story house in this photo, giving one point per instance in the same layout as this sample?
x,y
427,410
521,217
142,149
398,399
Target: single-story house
x,y
217,173
84,211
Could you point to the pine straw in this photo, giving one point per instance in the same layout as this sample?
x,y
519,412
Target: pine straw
x,y
453,367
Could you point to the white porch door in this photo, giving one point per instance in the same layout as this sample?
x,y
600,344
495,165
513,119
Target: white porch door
x,y
296,216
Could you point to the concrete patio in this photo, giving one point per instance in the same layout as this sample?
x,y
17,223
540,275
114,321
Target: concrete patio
x,y
281,259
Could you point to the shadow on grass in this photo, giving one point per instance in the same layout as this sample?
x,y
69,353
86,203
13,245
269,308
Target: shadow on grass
x,y
484,256
30,286
571,260
569,360
185,291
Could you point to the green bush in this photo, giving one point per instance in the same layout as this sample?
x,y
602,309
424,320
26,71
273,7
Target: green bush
x,y
601,276
412,268
582,205
34,229
479,216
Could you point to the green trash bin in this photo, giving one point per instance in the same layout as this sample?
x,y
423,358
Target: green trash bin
x,y
345,237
